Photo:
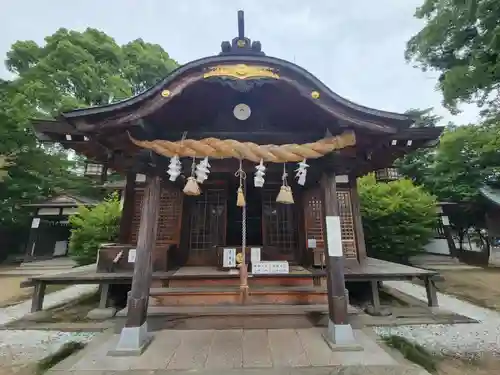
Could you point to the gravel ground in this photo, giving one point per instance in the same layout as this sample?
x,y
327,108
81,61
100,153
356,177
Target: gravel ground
x,y
464,340
21,347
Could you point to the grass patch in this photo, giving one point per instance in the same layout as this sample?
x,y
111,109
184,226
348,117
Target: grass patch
x,y
64,352
413,352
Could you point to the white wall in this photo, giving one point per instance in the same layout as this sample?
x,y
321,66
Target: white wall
x,y
438,246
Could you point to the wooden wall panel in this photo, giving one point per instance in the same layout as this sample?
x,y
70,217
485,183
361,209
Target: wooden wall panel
x,y
169,220
313,218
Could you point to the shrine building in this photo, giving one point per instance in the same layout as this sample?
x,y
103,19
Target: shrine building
x,y
240,151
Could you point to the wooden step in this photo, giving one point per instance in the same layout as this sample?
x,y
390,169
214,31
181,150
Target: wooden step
x,y
235,281
230,295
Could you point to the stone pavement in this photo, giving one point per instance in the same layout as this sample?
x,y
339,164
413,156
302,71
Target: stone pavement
x,y
238,351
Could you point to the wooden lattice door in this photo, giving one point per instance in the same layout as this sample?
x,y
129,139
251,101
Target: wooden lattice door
x,y
279,227
169,218
207,226
313,219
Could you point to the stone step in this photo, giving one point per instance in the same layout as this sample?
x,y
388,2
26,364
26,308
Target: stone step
x,y
234,317
241,310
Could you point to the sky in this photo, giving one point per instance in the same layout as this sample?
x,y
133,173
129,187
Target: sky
x,y
355,47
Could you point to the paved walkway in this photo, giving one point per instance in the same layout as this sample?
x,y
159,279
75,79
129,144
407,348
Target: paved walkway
x,y
218,351
462,339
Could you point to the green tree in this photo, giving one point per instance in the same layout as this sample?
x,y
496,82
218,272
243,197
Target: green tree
x,y
80,69
415,165
398,218
70,70
466,159
92,227
461,41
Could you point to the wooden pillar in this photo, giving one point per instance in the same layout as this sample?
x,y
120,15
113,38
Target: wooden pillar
x,y
358,222
127,210
339,331
134,337
38,296
430,289
33,237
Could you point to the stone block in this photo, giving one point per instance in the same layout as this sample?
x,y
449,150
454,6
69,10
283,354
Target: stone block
x,y
101,314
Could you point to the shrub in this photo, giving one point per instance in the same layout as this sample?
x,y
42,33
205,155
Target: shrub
x,y
398,218
92,227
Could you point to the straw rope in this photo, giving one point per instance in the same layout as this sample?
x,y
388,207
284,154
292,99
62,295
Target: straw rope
x,y
229,148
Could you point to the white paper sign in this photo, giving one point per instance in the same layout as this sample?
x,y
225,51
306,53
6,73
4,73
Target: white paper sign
x,y
445,220
132,253
311,243
334,236
35,223
270,267
229,258
255,254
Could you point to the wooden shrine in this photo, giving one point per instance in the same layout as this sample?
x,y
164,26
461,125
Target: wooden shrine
x,y
237,151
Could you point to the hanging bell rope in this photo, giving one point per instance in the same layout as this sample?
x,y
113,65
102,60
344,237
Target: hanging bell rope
x,y
240,199
240,202
229,148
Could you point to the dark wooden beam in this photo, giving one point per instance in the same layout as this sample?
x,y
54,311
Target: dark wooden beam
x,y
339,331
259,137
139,294
128,209
358,223
134,337
334,261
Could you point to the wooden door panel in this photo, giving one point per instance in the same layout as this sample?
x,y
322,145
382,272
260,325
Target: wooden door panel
x,y
279,226
207,227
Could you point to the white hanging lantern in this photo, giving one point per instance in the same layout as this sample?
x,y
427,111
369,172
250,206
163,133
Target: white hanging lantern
x,y
202,170
301,172
174,168
258,179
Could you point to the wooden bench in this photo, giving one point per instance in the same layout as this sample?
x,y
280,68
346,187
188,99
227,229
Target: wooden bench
x,y
40,286
430,288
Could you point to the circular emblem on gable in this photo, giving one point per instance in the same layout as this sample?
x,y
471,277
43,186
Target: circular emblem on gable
x,y
165,93
242,111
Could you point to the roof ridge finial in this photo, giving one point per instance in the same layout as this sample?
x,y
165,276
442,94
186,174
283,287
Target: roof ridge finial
x,y
241,24
241,45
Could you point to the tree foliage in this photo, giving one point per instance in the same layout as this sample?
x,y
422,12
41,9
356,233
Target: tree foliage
x,y
92,227
70,70
398,218
461,40
80,69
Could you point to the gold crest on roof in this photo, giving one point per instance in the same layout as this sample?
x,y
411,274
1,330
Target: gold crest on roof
x,y
241,71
